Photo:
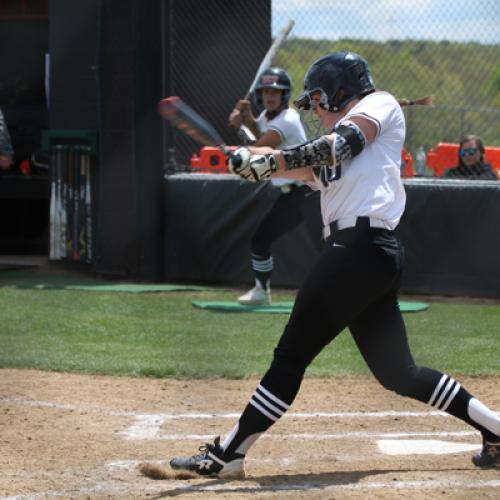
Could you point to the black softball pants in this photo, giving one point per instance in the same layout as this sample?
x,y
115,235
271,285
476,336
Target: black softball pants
x,y
353,284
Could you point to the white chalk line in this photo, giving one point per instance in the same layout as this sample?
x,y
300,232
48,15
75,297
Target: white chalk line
x,y
368,486
201,416
320,436
250,487
68,407
149,425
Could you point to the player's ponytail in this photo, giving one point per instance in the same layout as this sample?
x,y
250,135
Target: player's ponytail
x,y
423,101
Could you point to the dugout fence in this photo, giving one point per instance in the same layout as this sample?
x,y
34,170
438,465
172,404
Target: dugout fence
x,y
414,49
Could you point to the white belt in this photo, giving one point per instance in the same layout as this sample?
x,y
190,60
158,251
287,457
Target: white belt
x,y
347,222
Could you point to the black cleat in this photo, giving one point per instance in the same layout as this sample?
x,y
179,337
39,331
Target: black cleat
x,y
211,462
489,456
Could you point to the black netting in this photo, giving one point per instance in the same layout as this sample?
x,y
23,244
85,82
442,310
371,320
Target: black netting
x,y
426,48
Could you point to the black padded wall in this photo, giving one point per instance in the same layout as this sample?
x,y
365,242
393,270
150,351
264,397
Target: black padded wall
x,y
129,228
148,142
449,231
451,237
73,28
213,243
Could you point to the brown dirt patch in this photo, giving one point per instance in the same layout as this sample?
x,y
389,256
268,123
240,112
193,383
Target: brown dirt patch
x,y
80,436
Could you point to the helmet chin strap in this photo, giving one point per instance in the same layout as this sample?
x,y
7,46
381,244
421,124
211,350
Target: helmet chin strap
x,y
337,99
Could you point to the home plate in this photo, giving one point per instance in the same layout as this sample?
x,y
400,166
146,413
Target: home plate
x,y
423,447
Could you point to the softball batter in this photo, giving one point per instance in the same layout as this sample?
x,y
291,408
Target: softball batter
x,y
355,281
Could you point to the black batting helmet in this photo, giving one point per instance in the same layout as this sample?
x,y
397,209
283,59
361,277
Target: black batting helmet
x,y
340,77
274,78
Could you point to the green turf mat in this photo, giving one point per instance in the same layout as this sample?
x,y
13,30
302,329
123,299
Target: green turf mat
x,y
410,306
136,287
231,306
41,281
284,307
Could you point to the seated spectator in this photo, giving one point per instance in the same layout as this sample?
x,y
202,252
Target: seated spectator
x,y
6,151
470,161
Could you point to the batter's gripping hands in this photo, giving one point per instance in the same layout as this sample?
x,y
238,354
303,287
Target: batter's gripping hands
x,y
239,163
253,168
262,166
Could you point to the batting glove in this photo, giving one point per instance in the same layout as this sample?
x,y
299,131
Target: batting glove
x,y
239,163
262,166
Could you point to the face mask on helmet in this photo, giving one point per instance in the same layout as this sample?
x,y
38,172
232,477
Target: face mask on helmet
x,y
339,78
311,99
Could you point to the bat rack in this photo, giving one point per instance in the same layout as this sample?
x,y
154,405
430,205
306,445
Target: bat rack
x,y
72,162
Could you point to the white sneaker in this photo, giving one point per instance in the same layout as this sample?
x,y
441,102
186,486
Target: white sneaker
x,y
257,296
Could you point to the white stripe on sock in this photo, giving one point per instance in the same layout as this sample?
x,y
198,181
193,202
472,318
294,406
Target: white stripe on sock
x,y
263,410
277,410
272,397
249,441
444,393
230,437
451,398
262,264
263,268
437,389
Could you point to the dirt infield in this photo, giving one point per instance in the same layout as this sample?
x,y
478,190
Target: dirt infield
x,y
78,436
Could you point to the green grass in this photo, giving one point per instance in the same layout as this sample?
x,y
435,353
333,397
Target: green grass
x,y
162,335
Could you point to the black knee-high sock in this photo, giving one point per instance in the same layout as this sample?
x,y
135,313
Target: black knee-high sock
x,y
262,266
444,393
269,402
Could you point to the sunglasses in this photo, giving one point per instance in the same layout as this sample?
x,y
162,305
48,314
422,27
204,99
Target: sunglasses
x,y
468,151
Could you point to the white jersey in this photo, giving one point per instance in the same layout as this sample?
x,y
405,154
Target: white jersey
x,y
370,183
288,125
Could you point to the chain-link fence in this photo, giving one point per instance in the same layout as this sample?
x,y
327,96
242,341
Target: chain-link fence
x,y
449,49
